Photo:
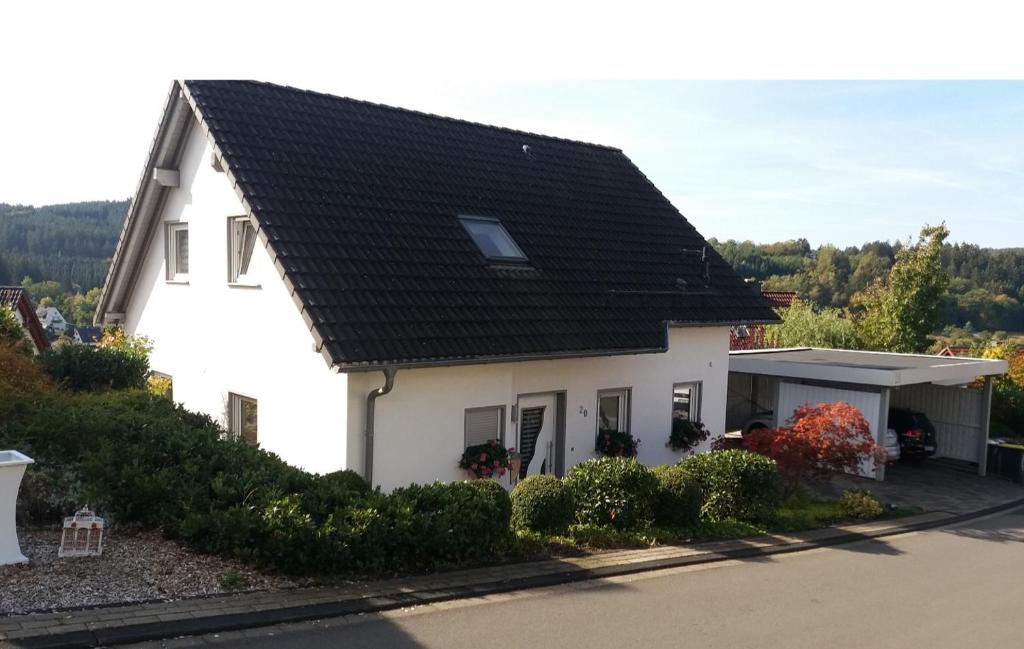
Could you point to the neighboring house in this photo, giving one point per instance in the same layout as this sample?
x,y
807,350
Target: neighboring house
x,y
752,336
52,319
16,298
402,285
87,335
955,351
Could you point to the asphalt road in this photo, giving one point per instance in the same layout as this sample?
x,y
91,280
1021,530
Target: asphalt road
x,y
957,587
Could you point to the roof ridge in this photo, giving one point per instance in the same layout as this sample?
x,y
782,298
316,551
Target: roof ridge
x,y
410,111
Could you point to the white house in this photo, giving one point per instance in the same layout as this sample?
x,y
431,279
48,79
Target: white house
x,y
51,318
401,285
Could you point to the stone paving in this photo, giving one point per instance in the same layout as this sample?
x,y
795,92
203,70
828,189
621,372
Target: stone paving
x,y
941,489
934,486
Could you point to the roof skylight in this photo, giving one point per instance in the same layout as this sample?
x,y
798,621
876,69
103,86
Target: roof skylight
x,y
492,238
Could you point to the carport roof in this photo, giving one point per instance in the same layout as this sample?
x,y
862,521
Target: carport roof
x,y
867,368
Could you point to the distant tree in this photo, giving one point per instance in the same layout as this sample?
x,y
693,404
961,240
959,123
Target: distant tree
x,y
899,313
804,325
81,307
44,290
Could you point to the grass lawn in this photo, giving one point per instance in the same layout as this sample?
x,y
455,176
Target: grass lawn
x,y
797,514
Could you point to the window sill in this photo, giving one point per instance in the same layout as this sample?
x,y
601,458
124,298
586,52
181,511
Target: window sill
x,y
244,285
183,281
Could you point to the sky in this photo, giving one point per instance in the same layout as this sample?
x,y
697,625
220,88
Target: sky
x,y
839,162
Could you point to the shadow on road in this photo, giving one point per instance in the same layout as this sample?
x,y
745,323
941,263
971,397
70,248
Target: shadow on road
x,y
1006,528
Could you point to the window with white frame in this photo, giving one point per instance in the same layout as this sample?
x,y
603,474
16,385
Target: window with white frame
x,y
177,252
484,424
613,410
686,401
242,417
241,241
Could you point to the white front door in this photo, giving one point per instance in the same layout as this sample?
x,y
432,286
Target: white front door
x,y
535,437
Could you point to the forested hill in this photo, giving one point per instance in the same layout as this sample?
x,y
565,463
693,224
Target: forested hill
x,y
986,287
70,243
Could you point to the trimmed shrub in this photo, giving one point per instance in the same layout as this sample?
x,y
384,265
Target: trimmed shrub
x,y
448,523
543,503
735,484
678,499
332,491
860,504
499,497
613,491
48,493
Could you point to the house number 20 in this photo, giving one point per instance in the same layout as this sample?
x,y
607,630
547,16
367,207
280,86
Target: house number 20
x,y
583,411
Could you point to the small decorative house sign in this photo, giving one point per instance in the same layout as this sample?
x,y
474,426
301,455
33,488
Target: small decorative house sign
x,y
83,535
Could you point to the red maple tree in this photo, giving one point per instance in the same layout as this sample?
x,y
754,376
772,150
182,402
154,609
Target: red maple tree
x,y
818,441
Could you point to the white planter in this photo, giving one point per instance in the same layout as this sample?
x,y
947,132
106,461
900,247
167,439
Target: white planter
x,y
12,468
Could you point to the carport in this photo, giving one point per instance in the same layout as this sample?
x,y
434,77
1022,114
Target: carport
x,y
954,392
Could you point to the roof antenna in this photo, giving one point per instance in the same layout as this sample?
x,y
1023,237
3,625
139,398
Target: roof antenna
x,y
528,151
705,261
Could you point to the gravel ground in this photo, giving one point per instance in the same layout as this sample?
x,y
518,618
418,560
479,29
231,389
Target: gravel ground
x,y
135,566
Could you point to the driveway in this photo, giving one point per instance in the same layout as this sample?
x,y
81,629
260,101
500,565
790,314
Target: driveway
x,y
934,485
945,588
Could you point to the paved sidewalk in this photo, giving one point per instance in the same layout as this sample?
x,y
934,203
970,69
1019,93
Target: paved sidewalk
x,y
152,621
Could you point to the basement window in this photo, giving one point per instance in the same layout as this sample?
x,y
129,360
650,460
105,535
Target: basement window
x,y
242,417
484,424
241,241
491,237
177,252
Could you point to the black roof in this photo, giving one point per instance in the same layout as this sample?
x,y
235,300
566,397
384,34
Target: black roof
x,y
360,201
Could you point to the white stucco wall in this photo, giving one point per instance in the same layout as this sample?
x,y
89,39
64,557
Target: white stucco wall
x,y
419,429
213,338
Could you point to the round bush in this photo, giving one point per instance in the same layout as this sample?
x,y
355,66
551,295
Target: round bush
x,y
860,504
499,499
735,484
331,491
543,503
613,491
679,497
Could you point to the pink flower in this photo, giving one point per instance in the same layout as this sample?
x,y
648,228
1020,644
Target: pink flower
x,y
483,457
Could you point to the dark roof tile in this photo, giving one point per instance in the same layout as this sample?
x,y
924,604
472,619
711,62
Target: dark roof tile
x,y
360,202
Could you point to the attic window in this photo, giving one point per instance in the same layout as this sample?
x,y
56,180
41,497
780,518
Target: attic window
x,y
241,240
491,237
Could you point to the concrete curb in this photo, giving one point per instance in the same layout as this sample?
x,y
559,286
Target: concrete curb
x,y
133,633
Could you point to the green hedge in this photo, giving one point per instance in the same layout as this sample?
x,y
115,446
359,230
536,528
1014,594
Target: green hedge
x,y
736,484
543,503
679,497
613,491
81,367
142,459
